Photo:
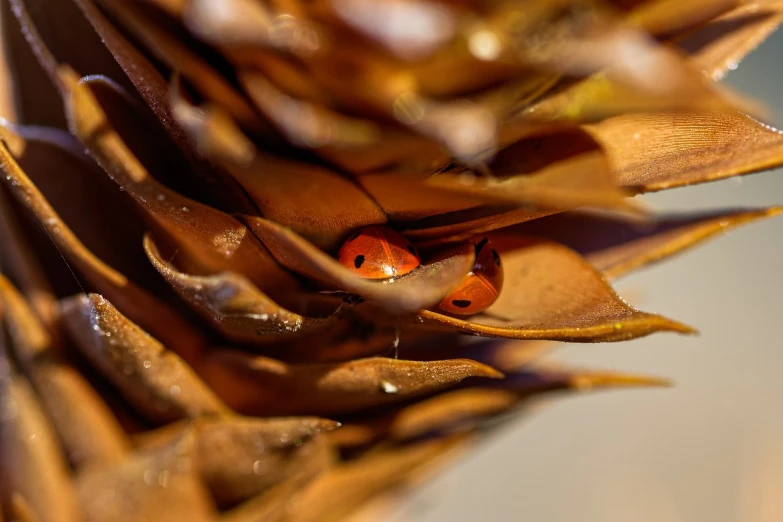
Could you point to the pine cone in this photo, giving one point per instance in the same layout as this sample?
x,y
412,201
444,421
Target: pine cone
x,y
321,204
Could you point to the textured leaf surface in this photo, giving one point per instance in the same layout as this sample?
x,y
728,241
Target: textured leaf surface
x,y
550,292
153,379
326,389
234,306
671,150
318,204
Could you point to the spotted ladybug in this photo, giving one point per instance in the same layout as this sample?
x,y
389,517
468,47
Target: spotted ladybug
x,y
379,253
481,287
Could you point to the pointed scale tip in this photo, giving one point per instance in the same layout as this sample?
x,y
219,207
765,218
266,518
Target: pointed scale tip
x,y
588,381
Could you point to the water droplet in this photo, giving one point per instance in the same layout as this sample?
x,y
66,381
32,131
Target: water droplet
x,y
185,209
147,364
174,390
388,387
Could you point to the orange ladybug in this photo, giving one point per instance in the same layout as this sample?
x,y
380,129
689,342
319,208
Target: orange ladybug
x,y
481,287
379,253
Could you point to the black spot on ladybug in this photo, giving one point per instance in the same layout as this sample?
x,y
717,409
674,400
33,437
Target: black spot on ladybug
x,y
496,257
412,250
353,299
461,303
358,261
481,244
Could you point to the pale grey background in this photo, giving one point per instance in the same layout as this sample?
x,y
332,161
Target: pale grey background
x,y
709,450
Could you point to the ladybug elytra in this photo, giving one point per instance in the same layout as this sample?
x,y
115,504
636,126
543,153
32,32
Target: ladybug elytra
x,y
379,253
481,287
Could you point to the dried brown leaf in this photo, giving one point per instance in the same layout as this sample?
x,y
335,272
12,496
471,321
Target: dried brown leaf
x,y
160,485
33,466
260,385
423,287
405,198
150,377
239,457
234,306
551,292
465,410
178,56
19,260
135,302
335,494
460,227
84,424
49,156
582,180
652,152
208,241
214,133
152,87
334,205
616,246
719,45
661,17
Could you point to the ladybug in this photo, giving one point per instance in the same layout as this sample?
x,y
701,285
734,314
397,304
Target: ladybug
x,y
481,287
379,253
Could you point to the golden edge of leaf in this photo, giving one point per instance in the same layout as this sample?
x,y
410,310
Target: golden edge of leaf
x,y
619,331
691,240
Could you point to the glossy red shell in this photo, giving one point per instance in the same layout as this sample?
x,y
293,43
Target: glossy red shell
x,y
379,253
481,287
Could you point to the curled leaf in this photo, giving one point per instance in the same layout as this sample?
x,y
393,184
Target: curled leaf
x,y
153,379
330,388
234,306
551,292
423,287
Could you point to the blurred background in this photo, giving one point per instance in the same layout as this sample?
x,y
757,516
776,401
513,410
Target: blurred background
x,y
708,450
